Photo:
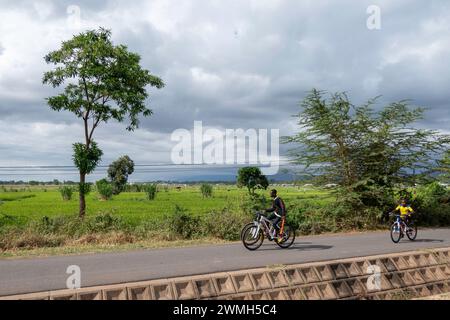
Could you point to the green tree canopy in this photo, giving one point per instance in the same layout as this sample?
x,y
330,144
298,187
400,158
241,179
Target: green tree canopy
x,y
362,149
119,171
252,179
102,82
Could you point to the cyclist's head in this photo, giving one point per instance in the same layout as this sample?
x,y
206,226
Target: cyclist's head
x,y
403,202
273,193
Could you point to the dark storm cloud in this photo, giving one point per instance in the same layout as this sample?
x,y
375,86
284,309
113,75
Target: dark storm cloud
x,y
233,64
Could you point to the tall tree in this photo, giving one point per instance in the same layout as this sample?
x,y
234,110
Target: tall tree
x,y
118,173
102,81
363,150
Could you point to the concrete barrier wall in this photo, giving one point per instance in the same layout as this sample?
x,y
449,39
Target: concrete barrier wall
x,y
401,276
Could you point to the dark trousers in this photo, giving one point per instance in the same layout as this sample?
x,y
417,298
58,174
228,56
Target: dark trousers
x,y
275,220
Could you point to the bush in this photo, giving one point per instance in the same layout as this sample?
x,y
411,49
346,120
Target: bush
x,y
151,190
225,224
431,205
206,190
182,224
105,189
66,193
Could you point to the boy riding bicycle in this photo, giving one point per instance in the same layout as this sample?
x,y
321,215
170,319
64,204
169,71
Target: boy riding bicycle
x,y
405,211
278,212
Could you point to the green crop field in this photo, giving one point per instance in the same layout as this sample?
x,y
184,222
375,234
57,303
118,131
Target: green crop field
x,y
26,204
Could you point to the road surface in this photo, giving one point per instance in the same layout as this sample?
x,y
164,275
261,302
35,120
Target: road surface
x,y
41,274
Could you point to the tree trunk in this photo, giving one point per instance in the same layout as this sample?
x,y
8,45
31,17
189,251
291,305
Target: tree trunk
x,y
82,195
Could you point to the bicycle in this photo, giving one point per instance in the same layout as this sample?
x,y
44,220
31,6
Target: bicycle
x,y
252,235
399,228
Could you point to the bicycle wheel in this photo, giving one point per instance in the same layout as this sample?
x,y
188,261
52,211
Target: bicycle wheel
x,y
395,233
242,231
250,240
288,237
411,231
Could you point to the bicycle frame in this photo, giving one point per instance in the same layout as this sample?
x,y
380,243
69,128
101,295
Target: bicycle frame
x,y
261,222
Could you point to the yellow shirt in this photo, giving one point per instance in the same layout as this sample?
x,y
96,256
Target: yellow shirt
x,y
404,210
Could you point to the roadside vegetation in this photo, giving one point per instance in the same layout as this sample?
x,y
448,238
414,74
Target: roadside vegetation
x,y
31,218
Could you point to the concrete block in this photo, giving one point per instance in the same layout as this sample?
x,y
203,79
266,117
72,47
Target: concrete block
x,y
311,292
434,289
327,291
405,279
309,274
427,275
438,273
294,277
342,289
338,270
224,285
443,256
400,263
364,266
416,277
184,290
242,282
424,260
376,262
260,280
445,270
205,287
162,291
410,261
295,294
353,269
277,278
422,291
395,281
115,293
277,295
259,296
441,286
356,286
67,294
371,287
139,293
389,264
325,272
57,296
90,295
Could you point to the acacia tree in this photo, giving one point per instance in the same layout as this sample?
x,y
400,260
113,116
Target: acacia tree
x,y
102,81
444,167
251,178
366,152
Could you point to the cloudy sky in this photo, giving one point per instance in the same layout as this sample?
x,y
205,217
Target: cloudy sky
x,y
231,64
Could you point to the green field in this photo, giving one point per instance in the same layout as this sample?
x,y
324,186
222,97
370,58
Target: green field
x,y
25,204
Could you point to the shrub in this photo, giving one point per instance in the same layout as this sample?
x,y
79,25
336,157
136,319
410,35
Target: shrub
x,y
66,193
182,224
225,225
105,189
206,190
151,190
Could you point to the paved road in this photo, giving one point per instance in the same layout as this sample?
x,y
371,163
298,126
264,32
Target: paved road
x,y
41,274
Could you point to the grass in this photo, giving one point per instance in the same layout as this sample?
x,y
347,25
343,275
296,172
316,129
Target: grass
x,y
133,207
